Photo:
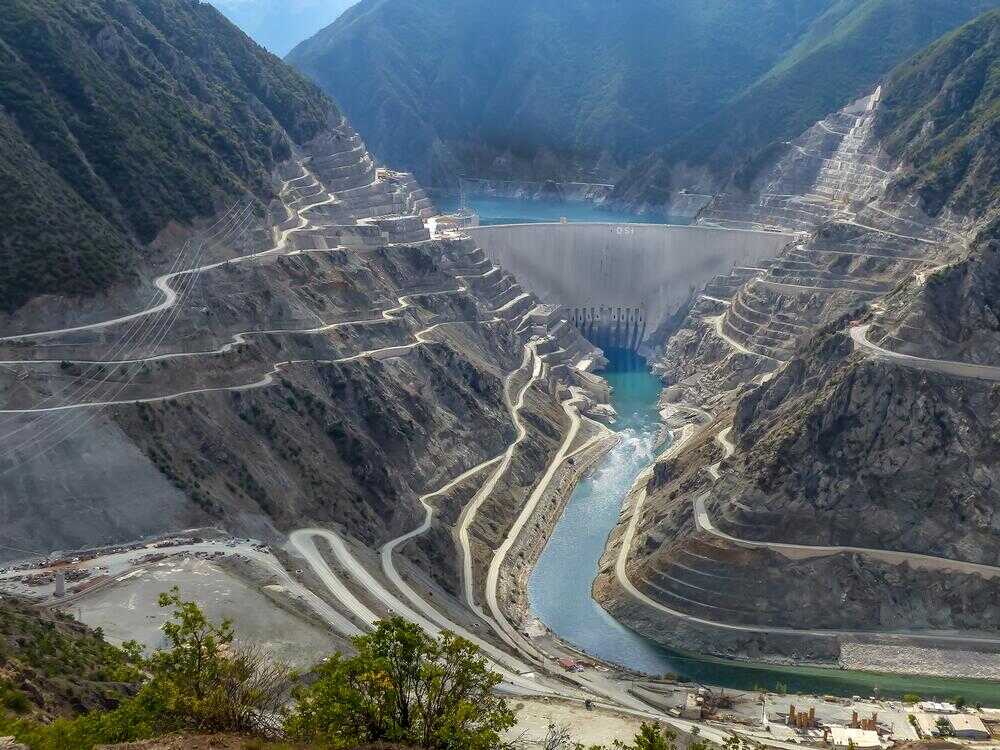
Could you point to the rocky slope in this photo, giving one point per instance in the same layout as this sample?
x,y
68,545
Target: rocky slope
x,y
836,491
309,356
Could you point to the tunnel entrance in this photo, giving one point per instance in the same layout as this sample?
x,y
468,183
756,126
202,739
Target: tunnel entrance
x,y
611,327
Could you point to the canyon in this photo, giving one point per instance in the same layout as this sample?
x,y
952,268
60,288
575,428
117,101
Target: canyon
x,y
315,389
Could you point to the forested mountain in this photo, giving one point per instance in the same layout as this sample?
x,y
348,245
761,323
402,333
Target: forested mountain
x,y
941,115
116,119
437,86
579,90
844,54
278,25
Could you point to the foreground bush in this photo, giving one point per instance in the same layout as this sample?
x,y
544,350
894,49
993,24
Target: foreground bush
x,y
203,682
404,687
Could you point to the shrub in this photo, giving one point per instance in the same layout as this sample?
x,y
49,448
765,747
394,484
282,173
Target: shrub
x,y
204,681
403,686
13,699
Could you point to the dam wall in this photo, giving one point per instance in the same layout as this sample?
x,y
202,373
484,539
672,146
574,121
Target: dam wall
x,y
619,282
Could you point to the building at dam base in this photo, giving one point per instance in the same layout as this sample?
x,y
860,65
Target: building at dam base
x,y
619,282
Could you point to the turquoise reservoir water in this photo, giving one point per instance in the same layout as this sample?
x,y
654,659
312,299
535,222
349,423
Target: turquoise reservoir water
x,y
514,211
559,586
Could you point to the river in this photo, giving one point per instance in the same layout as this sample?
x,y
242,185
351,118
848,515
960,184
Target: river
x,y
564,602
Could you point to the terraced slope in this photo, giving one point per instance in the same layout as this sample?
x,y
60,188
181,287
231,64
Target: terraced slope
x,y
852,378
328,368
117,119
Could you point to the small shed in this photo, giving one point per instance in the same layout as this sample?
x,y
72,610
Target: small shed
x,y
926,724
859,738
968,727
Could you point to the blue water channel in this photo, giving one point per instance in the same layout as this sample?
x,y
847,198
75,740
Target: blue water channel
x,y
559,589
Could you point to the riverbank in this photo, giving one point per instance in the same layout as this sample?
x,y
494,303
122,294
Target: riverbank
x,y
513,589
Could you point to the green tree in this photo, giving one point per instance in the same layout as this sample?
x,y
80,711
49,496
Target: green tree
x,y
654,737
739,742
403,686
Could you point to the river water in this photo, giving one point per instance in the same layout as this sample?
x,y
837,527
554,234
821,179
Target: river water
x,y
559,589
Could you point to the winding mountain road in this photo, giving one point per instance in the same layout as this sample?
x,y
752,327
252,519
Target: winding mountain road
x,y
493,573
803,551
385,352
162,283
304,541
621,573
859,334
465,520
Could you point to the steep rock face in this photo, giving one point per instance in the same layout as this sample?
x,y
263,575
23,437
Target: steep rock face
x,y
855,453
120,117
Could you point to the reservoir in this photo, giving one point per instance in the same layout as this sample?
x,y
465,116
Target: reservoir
x,y
516,211
564,602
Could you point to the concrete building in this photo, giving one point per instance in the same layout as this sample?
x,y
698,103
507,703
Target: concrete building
x,y
926,724
859,738
968,727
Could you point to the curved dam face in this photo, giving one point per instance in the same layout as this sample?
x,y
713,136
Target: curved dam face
x,y
621,281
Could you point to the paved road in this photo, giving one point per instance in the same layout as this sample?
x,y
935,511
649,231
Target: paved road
x,y
717,321
472,508
303,539
385,352
722,438
493,573
859,334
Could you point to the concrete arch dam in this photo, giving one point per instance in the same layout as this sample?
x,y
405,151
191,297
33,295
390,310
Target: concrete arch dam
x,y
619,282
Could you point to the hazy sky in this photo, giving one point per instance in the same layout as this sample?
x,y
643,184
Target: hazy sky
x,y
279,25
